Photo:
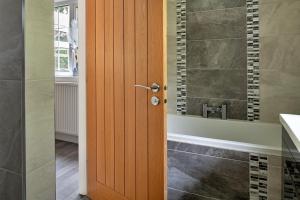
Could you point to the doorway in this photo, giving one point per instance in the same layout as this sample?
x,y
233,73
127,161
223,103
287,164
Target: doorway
x,y
67,98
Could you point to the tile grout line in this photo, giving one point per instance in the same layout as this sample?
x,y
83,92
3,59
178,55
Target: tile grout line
x,y
230,159
192,193
10,171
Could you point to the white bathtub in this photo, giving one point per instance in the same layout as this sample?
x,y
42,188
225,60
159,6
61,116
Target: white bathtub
x,y
245,136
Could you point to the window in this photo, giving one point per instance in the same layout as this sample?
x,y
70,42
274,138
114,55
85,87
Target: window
x,y
65,39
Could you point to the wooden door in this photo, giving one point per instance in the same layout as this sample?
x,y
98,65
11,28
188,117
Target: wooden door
x,y
126,132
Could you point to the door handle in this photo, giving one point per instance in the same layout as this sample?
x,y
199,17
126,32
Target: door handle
x,y
154,87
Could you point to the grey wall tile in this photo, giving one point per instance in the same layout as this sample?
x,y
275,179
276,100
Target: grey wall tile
x,y
208,176
10,125
39,124
272,1
274,183
10,186
208,151
11,100
172,145
219,24
171,50
281,53
172,75
217,54
180,195
281,17
217,84
236,109
39,100
11,45
10,104
275,161
171,17
44,189
280,93
39,40
280,40
201,5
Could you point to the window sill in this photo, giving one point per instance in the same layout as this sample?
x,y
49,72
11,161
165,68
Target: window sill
x,y
68,79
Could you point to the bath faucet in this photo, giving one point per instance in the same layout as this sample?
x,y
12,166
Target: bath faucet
x,y
215,109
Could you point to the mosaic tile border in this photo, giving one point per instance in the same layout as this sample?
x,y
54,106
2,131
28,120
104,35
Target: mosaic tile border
x,y
181,57
291,174
258,176
253,73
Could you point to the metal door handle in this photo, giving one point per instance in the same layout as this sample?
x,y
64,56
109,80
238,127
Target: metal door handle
x,y
154,87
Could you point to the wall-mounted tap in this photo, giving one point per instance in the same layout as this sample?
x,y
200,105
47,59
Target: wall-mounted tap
x,y
215,109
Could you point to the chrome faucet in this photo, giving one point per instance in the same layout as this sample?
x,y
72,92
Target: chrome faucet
x,y
215,109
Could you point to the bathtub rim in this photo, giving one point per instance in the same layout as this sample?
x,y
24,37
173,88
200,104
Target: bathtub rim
x,y
224,144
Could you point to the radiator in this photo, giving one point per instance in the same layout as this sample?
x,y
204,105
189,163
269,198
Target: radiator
x,y
66,108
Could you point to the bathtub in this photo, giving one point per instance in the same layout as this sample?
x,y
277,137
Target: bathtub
x,y
264,138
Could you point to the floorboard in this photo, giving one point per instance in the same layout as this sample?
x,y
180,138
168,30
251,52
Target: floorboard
x,y
67,176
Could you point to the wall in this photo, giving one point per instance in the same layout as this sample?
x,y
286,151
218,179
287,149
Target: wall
x,y
212,56
280,58
171,51
11,100
39,97
216,56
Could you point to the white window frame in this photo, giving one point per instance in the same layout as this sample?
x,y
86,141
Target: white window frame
x,y
73,4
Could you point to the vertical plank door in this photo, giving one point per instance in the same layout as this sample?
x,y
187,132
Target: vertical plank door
x,y
126,119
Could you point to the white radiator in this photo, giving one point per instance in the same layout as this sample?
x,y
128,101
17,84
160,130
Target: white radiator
x,y
66,108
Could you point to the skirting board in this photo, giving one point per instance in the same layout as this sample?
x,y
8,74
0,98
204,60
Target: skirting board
x,y
66,137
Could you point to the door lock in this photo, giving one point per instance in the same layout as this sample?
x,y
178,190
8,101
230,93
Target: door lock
x,y
155,100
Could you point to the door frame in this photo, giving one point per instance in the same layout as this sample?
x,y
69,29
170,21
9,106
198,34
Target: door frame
x,y
82,133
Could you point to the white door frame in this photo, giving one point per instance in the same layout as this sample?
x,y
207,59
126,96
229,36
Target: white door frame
x,y
82,98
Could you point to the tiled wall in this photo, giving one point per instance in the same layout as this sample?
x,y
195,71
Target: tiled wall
x,y
200,172
280,60
211,56
39,100
26,91
11,100
216,58
171,50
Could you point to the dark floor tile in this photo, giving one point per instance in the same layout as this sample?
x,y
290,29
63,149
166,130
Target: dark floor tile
x,y
217,54
202,5
208,176
172,145
10,186
220,84
236,109
179,195
219,24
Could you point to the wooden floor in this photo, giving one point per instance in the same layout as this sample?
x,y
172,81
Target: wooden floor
x,y
67,177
